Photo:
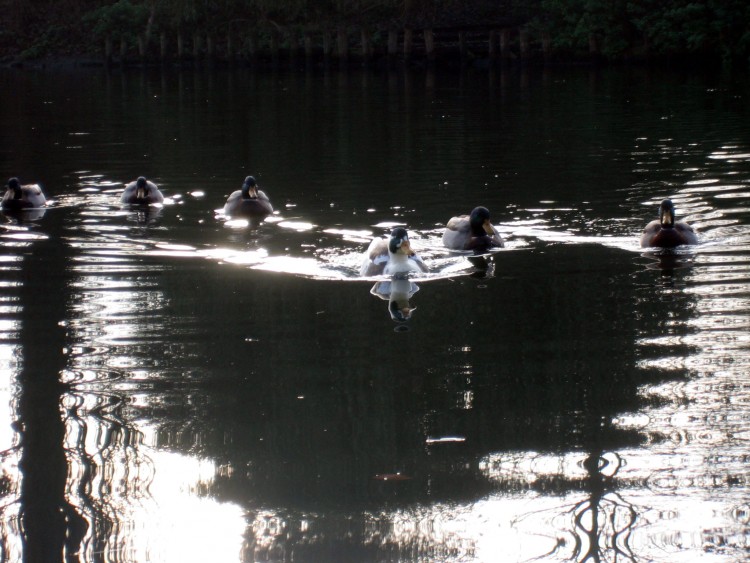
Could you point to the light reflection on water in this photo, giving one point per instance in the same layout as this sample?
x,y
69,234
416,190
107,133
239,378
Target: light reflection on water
x,y
147,475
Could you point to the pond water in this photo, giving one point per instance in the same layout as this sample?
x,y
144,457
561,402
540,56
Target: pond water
x,y
178,387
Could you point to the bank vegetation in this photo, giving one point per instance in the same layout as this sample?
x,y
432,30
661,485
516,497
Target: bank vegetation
x,y
282,31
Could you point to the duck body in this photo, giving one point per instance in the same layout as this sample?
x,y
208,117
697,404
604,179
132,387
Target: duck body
x,y
249,202
391,257
19,196
141,192
472,232
665,232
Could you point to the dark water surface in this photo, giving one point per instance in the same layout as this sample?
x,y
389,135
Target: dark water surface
x,y
178,387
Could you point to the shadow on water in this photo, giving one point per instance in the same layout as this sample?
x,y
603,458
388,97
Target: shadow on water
x,y
51,526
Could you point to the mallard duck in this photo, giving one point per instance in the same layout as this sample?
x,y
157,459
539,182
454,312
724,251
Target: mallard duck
x,y
472,232
22,197
391,256
248,202
665,232
142,192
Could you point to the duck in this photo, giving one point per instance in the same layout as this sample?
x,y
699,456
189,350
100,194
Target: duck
x,y
142,192
19,196
392,256
472,232
248,202
665,232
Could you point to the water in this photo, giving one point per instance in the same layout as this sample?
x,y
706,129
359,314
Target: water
x,y
179,387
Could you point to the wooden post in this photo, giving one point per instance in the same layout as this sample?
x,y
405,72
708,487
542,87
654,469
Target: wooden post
x,y
392,43
429,44
210,50
293,47
108,49
492,46
252,45
505,53
308,48
546,45
141,47
342,44
366,45
196,45
408,43
163,45
230,46
326,45
462,51
180,45
594,47
274,46
523,43
123,49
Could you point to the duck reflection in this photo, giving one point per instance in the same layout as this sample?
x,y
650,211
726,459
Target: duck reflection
x,y
668,260
145,215
397,291
484,265
22,216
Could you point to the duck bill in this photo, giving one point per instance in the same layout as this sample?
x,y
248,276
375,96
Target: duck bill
x,y
488,228
140,193
667,219
406,248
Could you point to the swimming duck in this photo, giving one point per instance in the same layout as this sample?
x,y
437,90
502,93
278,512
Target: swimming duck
x,y
391,256
248,202
665,232
142,192
18,197
472,232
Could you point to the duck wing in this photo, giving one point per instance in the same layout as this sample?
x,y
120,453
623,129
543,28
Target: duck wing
x,y
376,257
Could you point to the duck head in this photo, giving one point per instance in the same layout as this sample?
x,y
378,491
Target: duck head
x,y
250,188
399,242
141,188
479,220
666,214
15,185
